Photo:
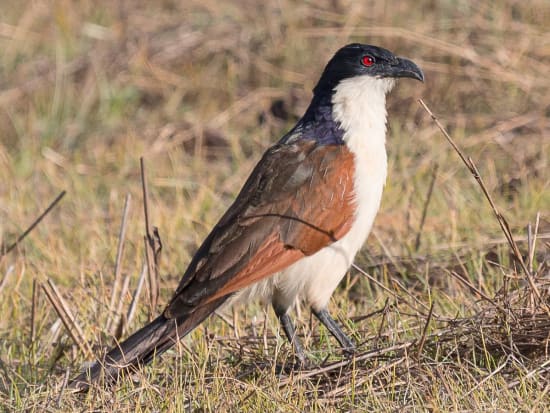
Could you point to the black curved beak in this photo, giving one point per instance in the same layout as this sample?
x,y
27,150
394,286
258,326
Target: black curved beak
x,y
405,68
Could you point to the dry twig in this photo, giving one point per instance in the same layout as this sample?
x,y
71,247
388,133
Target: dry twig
x,y
425,208
67,317
6,250
500,218
153,247
118,263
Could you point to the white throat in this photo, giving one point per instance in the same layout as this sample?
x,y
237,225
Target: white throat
x,y
359,104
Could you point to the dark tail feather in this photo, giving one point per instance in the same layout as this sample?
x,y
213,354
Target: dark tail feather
x,y
142,346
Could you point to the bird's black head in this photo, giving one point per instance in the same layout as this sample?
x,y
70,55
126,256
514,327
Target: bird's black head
x,y
365,60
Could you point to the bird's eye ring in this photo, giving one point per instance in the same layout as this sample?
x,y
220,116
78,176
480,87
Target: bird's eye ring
x,y
367,60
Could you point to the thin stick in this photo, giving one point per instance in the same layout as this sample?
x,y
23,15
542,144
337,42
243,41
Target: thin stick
x,y
533,243
406,291
425,209
537,370
235,322
135,298
378,283
34,304
468,284
226,320
4,280
339,364
504,225
386,250
492,374
118,266
264,333
120,317
150,255
425,331
63,386
145,197
67,318
529,246
399,268
501,220
382,322
374,373
152,280
33,225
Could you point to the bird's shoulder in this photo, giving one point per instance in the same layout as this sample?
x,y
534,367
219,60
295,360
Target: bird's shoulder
x,y
302,171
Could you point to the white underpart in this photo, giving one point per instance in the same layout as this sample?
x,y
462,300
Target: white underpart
x,y
359,104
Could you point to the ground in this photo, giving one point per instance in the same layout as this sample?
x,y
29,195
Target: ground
x,y
448,316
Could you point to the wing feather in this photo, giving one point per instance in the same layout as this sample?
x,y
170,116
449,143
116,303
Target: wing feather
x,y
298,200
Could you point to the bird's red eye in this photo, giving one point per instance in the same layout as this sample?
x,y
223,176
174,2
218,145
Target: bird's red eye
x,y
367,60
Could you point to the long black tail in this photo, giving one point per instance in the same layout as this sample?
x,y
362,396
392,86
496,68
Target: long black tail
x,y
142,346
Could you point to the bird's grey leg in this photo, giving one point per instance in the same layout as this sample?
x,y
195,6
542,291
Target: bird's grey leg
x,y
290,331
324,317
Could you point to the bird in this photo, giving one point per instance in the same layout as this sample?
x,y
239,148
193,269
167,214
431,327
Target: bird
x,y
295,227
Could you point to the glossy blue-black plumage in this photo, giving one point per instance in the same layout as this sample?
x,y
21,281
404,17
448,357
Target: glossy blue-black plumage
x,y
317,124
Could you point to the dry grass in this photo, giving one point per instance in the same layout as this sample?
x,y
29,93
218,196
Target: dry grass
x,y
451,322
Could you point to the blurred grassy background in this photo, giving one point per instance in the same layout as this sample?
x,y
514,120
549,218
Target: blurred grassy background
x,y
201,89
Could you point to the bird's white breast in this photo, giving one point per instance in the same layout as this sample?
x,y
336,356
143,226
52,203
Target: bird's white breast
x,y
359,104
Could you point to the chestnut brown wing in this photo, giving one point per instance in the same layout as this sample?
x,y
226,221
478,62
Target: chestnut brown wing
x,y
298,199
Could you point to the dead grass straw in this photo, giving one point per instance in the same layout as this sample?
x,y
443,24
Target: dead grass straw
x,y
66,316
500,218
118,263
20,238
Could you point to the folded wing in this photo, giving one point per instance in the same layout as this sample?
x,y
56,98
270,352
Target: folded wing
x,y
299,199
